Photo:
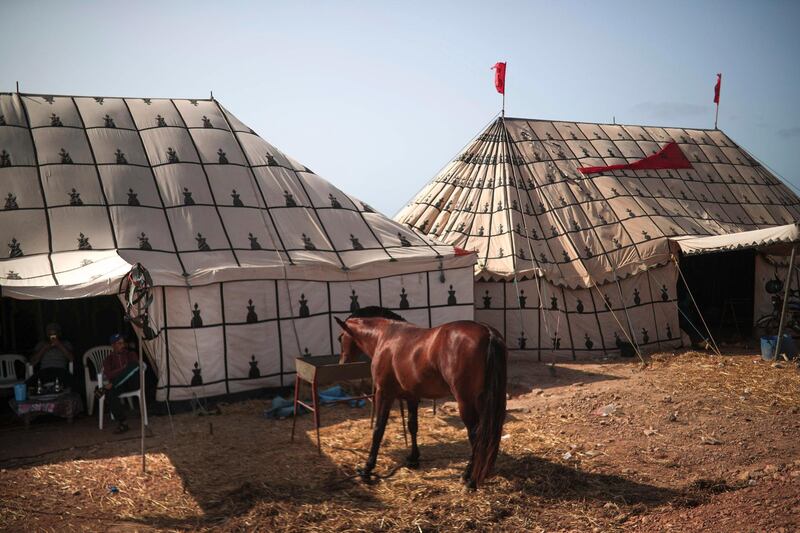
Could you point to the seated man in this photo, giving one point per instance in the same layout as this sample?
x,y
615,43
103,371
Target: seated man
x,y
121,375
53,356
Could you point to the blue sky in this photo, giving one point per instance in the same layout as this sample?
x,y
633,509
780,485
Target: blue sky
x,y
378,96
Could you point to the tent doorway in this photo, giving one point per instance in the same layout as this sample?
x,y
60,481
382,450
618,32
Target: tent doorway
x,y
722,285
86,322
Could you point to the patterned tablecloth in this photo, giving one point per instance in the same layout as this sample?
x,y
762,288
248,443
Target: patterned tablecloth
x,y
64,404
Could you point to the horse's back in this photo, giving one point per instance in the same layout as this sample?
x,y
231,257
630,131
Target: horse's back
x,y
435,362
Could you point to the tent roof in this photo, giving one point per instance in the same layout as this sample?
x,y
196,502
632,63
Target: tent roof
x,y
183,187
517,197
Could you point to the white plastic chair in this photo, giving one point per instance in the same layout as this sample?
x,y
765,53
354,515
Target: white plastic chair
x,y
138,393
8,371
96,355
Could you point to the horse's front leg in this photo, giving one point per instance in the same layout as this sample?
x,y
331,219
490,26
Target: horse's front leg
x,y
383,404
412,461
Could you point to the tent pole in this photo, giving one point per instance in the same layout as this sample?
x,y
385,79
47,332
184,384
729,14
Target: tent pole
x,y
141,398
782,322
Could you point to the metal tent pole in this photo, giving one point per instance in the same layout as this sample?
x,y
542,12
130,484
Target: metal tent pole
x,y
782,322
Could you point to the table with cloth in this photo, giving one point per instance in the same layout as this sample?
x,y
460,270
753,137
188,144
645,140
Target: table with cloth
x,y
65,404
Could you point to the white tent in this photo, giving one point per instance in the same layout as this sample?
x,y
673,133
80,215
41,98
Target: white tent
x,y
573,224
252,254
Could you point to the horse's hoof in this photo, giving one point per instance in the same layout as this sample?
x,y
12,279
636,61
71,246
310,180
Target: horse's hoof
x,y
470,486
412,463
365,475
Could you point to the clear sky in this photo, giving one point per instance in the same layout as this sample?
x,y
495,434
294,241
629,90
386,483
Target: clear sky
x,y
378,96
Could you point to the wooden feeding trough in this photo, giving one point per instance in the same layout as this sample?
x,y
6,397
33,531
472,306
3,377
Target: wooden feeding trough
x,y
324,370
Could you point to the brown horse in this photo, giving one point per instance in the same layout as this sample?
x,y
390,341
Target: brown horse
x,y
464,358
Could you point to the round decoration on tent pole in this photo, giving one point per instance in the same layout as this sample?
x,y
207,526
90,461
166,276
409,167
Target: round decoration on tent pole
x,y
137,286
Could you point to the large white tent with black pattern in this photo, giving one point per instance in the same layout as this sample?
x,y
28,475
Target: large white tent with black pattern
x,y
251,253
584,233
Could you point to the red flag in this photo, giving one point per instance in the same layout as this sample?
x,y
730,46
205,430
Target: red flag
x,y
500,77
717,87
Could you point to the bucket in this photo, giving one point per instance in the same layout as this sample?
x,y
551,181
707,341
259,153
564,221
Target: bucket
x,y
20,392
768,343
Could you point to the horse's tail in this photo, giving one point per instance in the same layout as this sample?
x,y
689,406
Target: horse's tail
x,y
492,408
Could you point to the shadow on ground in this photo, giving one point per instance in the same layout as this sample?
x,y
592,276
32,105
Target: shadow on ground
x,y
533,476
226,463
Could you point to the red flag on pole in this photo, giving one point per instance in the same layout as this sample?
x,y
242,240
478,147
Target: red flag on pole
x,y
717,87
500,77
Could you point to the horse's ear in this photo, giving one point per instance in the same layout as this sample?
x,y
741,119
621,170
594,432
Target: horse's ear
x,y
344,326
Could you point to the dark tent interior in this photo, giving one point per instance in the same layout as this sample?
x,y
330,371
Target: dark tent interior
x,y
722,285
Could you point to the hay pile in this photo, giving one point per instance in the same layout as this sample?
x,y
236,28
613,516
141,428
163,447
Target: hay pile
x,y
561,467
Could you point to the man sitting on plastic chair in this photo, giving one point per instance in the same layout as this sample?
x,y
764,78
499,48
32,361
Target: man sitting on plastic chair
x,y
121,375
53,355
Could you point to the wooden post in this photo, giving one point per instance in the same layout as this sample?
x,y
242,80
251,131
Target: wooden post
x,y
142,399
782,322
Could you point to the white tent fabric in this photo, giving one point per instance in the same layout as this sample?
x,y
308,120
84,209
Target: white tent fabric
x,y
78,274
759,238
591,249
252,253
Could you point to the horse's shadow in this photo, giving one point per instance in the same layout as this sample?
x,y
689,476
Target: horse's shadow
x,y
537,477
545,479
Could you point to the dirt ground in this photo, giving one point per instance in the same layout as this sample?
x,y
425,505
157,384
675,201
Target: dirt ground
x,y
688,442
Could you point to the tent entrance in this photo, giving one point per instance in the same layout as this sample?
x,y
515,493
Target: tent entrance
x,y
86,322
722,285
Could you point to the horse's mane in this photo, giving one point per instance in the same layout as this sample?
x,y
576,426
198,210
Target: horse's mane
x,y
375,311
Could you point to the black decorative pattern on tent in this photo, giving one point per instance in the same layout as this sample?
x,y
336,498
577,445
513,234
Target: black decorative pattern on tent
x,y
267,357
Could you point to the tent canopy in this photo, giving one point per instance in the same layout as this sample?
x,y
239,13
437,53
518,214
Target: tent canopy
x,y
587,204
74,275
92,185
773,241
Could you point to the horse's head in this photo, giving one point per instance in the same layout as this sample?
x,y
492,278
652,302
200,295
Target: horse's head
x,y
349,348
352,348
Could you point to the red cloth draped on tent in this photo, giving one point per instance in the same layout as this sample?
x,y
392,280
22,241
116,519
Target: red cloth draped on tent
x,y
669,157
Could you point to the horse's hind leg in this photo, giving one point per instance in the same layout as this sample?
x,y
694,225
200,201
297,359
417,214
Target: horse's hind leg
x,y
412,461
466,476
469,415
383,404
